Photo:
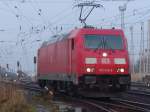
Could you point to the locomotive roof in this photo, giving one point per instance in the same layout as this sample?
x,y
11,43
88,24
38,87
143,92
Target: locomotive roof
x,y
74,32
90,30
55,38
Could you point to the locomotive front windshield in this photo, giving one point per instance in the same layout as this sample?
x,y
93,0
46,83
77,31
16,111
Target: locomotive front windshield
x,y
103,42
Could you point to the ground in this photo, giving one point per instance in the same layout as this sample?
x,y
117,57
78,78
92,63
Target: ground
x,y
15,99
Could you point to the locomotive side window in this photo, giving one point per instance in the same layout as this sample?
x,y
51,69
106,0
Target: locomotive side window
x,y
72,44
103,42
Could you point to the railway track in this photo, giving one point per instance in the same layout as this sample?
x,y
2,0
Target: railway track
x,y
139,93
139,89
31,87
145,107
123,105
140,86
99,106
113,105
28,86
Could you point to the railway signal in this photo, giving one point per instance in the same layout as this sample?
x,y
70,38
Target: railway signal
x,y
18,65
7,65
34,60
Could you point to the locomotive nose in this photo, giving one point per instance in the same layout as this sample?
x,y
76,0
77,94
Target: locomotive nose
x,y
106,65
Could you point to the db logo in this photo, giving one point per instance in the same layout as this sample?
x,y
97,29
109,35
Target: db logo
x,y
105,61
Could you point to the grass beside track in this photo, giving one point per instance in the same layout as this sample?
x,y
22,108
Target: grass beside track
x,y
47,101
13,99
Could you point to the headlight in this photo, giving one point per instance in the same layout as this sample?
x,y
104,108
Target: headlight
x,y
119,61
90,61
104,54
90,70
120,70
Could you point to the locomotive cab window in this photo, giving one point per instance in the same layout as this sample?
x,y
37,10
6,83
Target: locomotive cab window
x,y
103,42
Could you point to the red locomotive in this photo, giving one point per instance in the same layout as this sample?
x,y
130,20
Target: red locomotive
x,y
85,59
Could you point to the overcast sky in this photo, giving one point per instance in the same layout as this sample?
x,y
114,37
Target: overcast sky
x,y
25,24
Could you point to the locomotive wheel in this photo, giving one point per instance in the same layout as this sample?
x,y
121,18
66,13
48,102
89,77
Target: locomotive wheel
x,y
123,87
42,83
71,89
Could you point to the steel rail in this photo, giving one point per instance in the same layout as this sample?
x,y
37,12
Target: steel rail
x,y
138,105
96,105
24,86
138,92
117,106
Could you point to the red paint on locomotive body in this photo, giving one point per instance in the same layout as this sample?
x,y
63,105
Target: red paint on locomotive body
x,y
103,65
78,55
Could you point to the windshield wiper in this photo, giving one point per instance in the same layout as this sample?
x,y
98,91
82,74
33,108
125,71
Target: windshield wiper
x,y
107,45
100,45
103,44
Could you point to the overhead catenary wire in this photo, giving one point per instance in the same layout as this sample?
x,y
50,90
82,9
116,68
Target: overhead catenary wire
x,y
129,14
58,19
26,34
40,1
17,15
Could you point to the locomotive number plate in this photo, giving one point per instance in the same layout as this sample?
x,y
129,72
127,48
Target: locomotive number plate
x,y
105,61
